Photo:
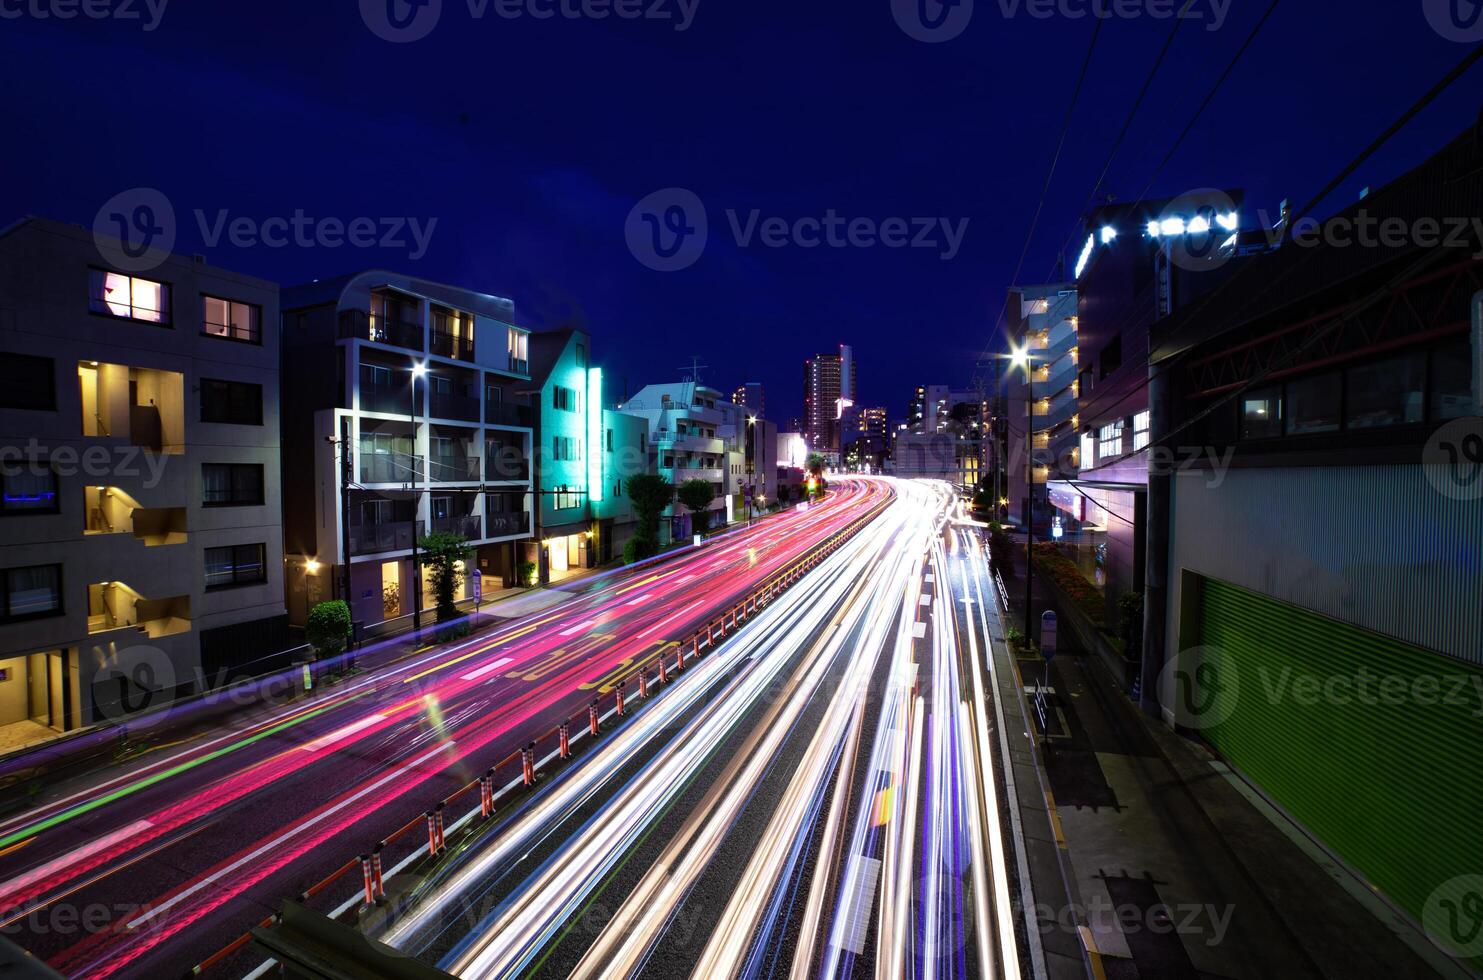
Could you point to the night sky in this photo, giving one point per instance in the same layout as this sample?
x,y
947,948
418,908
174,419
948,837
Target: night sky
x,y
531,140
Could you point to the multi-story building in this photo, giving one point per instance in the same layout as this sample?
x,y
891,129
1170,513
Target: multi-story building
x,y
586,452
694,433
828,390
142,545
1042,397
752,397
1316,535
867,442
423,389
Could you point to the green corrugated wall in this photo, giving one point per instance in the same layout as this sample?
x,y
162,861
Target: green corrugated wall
x,y
1395,789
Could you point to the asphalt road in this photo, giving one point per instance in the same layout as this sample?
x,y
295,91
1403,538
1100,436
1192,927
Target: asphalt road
x,y
150,871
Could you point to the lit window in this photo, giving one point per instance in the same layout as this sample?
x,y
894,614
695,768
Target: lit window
x,y
231,320
1140,431
128,296
1110,441
1088,450
1261,414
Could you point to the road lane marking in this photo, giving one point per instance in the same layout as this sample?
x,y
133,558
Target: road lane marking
x,y
72,857
342,734
579,628
474,675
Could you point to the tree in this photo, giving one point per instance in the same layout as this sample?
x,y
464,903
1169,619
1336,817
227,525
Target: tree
x,y
441,553
815,466
328,629
697,496
650,494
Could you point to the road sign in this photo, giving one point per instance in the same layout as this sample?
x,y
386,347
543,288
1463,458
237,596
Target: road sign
x,y
478,584
1048,634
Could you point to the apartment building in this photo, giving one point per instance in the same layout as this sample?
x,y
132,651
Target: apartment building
x,y
407,409
694,433
828,390
1042,395
752,397
585,454
141,554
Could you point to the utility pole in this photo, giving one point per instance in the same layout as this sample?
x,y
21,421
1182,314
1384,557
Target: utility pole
x,y
347,462
417,371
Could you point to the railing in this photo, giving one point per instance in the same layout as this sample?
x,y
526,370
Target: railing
x,y
422,842
519,365
373,539
390,468
500,468
504,413
391,399
452,345
454,469
466,526
504,525
359,325
460,407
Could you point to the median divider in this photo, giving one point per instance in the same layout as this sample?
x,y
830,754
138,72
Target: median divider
x,y
416,857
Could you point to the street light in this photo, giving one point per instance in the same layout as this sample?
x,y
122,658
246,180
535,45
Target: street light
x,y
751,456
419,369
1023,358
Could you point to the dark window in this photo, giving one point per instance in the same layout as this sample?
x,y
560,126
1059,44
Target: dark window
x,y
1452,381
610,440
232,402
1261,414
28,382
130,297
231,320
1313,405
28,593
240,564
1111,357
1386,393
29,487
231,484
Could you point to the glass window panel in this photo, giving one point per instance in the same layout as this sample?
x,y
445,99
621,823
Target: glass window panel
x,y
215,317
1313,405
1261,414
28,489
1385,393
33,591
1452,381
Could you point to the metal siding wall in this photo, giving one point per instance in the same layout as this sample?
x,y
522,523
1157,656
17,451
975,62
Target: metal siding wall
x,y
1379,779
1376,546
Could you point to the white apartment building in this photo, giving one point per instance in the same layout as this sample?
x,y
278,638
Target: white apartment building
x,y
141,551
1042,399
427,385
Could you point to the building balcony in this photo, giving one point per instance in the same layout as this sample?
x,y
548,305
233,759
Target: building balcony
x,y
114,606
453,346
389,399
466,526
681,474
506,468
111,511
453,469
359,325
397,468
375,539
459,407
504,413
506,525
688,443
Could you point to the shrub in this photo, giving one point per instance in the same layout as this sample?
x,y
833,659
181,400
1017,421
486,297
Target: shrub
x,y
1061,570
328,628
1130,623
697,496
637,549
526,573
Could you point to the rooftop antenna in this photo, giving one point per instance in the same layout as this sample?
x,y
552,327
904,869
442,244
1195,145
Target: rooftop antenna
x,y
695,368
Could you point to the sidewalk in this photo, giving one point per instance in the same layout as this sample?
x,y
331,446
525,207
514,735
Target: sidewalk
x,y
1176,868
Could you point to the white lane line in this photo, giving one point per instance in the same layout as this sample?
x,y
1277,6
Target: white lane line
x,y
87,850
919,630
342,734
669,619
926,600
474,675
579,628
639,600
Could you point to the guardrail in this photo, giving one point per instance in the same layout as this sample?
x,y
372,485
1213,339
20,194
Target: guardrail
x,y
373,864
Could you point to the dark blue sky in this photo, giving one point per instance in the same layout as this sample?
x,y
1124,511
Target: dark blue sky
x,y
530,141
